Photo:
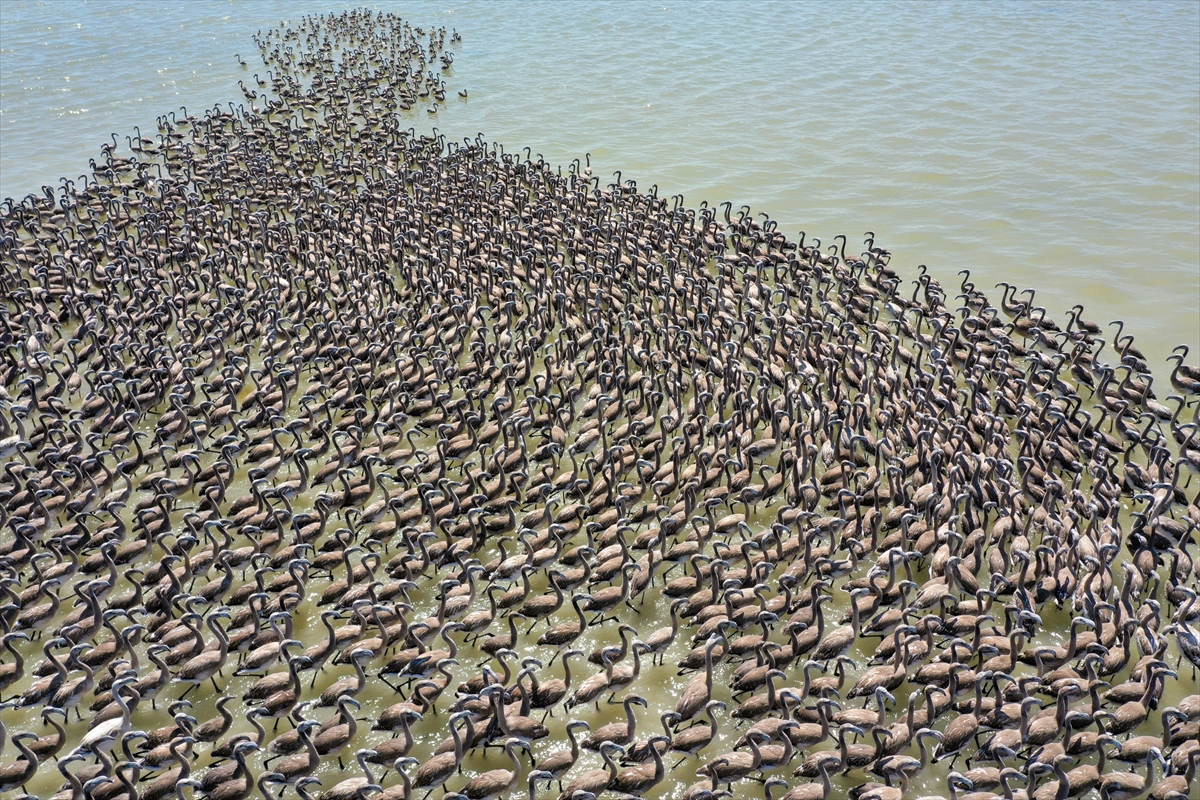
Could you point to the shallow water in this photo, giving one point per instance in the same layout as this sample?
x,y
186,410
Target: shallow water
x,y
852,128
1055,146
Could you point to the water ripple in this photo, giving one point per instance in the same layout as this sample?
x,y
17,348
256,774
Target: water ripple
x,y
1057,146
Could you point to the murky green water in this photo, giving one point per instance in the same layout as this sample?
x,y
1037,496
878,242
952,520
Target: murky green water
x,y
1054,147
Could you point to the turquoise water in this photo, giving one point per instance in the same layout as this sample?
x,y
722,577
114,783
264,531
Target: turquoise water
x,y
1054,146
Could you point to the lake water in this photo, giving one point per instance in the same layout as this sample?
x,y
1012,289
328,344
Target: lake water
x,y
1053,146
